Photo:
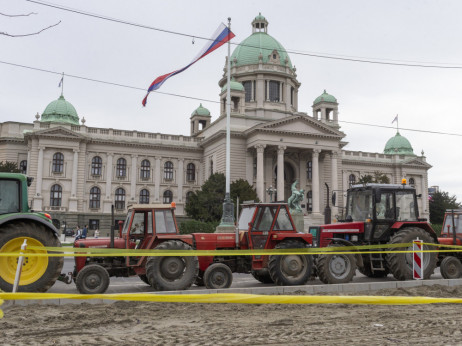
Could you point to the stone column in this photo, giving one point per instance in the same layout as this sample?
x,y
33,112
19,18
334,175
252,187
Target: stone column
x,y
334,158
108,200
180,179
315,180
38,198
323,115
28,160
133,178
280,182
249,166
267,90
260,97
260,169
302,173
157,179
73,198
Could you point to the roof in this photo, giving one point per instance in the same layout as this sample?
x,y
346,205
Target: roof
x,y
60,111
201,111
325,97
373,186
398,145
233,86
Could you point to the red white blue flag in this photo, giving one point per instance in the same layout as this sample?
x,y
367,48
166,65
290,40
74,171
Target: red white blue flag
x,y
219,38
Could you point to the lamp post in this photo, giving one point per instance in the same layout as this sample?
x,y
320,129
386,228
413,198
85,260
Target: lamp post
x,y
270,191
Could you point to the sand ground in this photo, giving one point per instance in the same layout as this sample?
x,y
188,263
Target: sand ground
x,y
141,323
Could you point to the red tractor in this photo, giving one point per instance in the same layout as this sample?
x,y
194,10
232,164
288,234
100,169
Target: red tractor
x,y
375,214
261,226
451,234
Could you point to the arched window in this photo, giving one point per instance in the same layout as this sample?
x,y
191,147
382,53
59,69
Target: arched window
x,y
168,170
56,194
411,181
248,90
121,168
352,179
144,196
120,198
168,197
145,172
309,201
95,197
190,172
58,163
23,166
274,91
96,165
309,170
189,194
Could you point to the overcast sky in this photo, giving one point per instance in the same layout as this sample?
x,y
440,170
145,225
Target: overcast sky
x,y
422,32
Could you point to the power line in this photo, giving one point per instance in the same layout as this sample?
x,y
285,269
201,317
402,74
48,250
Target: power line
x,y
389,62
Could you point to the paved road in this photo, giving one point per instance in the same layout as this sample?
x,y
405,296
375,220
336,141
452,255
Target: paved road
x,y
135,285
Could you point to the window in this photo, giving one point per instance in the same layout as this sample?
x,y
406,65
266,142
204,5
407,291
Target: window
x,y
411,181
168,170
292,95
165,222
309,201
309,170
96,165
283,221
190,172
352,179
274,91
144,196
145,169
56,194
189,195
120,198
9,193
121,168
211,167
93,224
248,90
168,197
254,167
23,166
95,197
58,163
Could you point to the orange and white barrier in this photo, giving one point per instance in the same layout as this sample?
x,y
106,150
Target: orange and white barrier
x,y
417,247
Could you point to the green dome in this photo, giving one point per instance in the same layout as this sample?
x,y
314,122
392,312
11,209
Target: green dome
x,y
325,97
201,111
398,145
260,17
233,86
60,111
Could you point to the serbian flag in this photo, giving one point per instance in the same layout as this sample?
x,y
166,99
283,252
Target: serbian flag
x,y
219,38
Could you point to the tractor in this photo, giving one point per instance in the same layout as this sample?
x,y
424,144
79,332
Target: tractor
x,y
18,222
451,234
261,226
375,214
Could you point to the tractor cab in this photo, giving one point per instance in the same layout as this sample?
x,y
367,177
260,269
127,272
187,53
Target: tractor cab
x,y
451,233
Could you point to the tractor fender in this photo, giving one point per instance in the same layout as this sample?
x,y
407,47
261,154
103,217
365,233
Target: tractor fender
x,y
30,217
358,257
424,225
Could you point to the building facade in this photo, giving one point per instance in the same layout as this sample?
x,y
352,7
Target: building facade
x,y
80,171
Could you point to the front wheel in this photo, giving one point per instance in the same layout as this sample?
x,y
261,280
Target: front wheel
x,y
336,268
451,268
290,270
92,279
218,275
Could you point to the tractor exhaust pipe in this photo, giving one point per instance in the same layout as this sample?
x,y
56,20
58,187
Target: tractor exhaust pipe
x,y
112,227
454,237
237,223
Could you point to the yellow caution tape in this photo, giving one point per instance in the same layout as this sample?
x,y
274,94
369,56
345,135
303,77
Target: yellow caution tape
x,y
238,298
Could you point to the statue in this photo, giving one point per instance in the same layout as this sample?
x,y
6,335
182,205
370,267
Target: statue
x,y
295,199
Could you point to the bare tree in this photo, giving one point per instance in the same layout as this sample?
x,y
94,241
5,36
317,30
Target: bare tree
x,y
24,15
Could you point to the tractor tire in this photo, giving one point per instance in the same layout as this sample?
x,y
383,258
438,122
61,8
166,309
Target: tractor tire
x,y
400,264
263,276
218,275
38,273
290,270
451,268
144,278
92,279
200,279
172,273
336,269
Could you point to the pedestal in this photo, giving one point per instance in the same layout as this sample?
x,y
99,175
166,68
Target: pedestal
x,y
298,221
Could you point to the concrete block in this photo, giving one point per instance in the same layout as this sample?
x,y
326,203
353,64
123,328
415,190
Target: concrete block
x,y
455,282
409,283
52,302
235,290
306,289
374,286
262,290
355,287
442,282
326,288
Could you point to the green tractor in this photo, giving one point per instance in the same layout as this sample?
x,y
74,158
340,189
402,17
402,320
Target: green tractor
x,y
18,222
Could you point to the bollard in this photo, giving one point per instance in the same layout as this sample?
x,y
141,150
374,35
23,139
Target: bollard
x,y
19,267
417,262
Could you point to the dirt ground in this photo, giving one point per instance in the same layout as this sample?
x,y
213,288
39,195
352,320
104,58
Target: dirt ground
x,y
140,323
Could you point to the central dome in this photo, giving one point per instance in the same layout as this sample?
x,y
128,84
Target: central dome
x,y
260,45
398,145
60,111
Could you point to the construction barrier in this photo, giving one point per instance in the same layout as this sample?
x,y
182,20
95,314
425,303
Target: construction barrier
x,y
417,247
239,298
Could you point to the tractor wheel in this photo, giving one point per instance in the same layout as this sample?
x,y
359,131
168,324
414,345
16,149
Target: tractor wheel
x,y
336,269
92,279
263,276
38,273
144,278
218,275
451,268
172,273
290,270
400,264
200,279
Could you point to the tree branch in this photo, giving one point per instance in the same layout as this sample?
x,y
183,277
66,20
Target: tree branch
x,y
34,33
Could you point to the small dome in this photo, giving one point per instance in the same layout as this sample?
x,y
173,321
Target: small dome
x,y
201,111
233,86
60,111
398,145
325,97
259,17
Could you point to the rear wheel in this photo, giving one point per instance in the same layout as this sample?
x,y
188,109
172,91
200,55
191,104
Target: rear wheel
x,y
263,276
144,278
171,273
290,270
218,275
38,273
400,264
92,279
336,268
451,268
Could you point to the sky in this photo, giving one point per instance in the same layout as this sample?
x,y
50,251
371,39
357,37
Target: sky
x,y
419,32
